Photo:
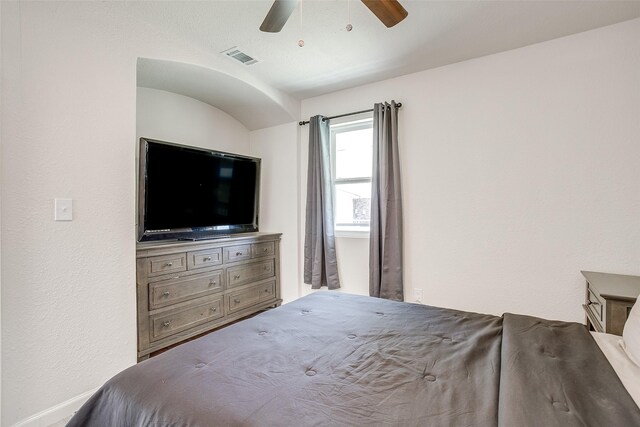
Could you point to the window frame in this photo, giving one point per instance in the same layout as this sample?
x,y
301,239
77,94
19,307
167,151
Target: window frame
x,y
359,122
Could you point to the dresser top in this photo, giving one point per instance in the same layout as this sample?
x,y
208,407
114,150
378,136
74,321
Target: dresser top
x,y
145,249
614,285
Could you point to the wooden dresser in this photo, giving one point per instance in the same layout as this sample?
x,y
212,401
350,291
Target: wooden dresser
x,y
187,288
608,300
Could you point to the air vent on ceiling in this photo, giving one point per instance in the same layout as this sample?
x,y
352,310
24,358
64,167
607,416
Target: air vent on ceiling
x,y
239,56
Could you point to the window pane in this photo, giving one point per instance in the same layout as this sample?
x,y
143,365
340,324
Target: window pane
x,y
354,153
353,202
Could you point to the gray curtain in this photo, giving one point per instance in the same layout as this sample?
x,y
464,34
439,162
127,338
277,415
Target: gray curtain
x,y
385,243
320,262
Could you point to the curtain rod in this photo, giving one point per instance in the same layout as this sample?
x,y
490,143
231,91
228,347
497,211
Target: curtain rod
x,y
306,122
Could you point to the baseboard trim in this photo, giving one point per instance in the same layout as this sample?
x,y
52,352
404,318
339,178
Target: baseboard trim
x,y
56,413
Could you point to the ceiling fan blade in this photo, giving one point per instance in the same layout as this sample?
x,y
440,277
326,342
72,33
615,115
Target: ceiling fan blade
x,y
390,12
278,15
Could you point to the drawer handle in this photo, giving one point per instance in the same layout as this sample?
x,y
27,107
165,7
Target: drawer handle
x,y
166,323
212,282
265,250
236,301
207,258
165,294
267,291
238,253
213,309
236,277
168,264
266,268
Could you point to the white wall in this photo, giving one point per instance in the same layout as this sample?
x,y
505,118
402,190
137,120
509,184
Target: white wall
x,y
353,253
171,117
519,170
68,302
68,288
3,80
278,147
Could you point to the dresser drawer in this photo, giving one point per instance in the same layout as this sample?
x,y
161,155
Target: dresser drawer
x,y
595,306
242,274
263,249
167,264
166,324
242,299
171,291
267,291
206,258
237,253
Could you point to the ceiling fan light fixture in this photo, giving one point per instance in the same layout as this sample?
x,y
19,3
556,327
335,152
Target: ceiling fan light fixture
x,y
349,27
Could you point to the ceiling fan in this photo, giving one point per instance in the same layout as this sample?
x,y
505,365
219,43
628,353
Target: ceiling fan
x,y
390,12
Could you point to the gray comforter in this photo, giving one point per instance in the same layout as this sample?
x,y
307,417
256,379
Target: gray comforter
x,y
333,359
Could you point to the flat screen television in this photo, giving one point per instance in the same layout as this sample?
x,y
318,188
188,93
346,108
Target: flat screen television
x,y
193,193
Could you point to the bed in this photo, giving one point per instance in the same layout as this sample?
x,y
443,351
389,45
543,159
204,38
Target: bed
x,y
334,359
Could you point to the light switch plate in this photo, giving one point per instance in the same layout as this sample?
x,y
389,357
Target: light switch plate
x,y
63,210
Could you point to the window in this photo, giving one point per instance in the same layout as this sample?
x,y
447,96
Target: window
x,y
351,145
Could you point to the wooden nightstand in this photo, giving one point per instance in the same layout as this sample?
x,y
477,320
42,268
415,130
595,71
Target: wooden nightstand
x,y
608,301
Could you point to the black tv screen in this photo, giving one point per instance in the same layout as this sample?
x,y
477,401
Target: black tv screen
x,y
193,193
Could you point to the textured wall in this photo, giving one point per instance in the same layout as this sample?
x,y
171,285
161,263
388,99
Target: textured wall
x,y
4,88
519,170
278,148
68,300
68,288
175,118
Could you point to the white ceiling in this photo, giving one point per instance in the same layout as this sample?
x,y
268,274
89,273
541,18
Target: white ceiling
x,y
435,33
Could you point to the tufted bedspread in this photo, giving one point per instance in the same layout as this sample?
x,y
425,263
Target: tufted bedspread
x,y
333,359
